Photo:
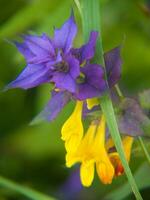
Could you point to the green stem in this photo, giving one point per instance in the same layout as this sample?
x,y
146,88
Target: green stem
x,y
119,92
30,193
91,21
144,149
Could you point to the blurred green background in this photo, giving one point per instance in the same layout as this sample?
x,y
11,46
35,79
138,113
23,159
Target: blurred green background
x,y
34,155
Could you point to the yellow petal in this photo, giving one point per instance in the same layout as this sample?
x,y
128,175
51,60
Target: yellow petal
x,y
73,142
73,126
114,156
105,169
92,102
100,134
127,145
109,144
87,174
80,151
71,159
88,140
82,148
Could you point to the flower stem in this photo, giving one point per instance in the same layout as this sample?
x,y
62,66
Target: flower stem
x,y
144,149
30,193
119,91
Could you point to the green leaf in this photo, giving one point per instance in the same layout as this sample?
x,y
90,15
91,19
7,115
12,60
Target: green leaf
x,y
30,193
91,21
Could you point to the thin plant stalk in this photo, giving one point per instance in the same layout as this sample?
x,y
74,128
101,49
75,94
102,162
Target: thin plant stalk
x,y
144,149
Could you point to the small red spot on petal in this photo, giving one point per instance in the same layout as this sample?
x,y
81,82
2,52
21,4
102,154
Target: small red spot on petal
x,y
119,170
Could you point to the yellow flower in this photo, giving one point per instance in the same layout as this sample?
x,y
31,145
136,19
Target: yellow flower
x,y
114,156
92,102
72,130
92,151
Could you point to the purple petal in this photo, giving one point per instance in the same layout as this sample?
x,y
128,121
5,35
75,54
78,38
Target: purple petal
x,y
74,66
71,187
43,42
50,64
37,49
94,84
86,52
25,51
54,106
31,76
130,126
86,91
95,76
64,81
63,37
132,119
67,80
113,66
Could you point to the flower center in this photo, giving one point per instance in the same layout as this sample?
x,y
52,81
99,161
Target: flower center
x,y
62,66
81,78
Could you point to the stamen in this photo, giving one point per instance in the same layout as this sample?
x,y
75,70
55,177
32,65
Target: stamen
x,y
62,67
81,78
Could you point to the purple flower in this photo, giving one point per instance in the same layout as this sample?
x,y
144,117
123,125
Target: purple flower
x,y
91,82
132,120
113,66
53,60
49,59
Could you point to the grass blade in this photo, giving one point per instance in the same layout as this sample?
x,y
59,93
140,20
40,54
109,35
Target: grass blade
x,y
30,193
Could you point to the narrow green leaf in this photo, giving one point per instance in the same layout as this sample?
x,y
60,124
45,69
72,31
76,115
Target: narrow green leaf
x,y
144,149
91,21
30,193
78,6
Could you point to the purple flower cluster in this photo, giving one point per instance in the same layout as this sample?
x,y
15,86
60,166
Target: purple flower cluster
x,y
54,60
